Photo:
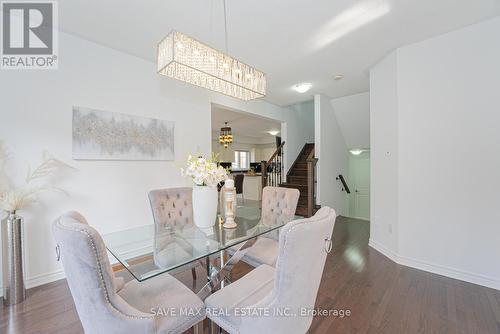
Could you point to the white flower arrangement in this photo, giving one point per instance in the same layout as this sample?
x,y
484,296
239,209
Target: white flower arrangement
x,y
12,198
204,172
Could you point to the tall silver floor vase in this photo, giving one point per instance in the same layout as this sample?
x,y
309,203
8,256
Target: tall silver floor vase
x,y
14,290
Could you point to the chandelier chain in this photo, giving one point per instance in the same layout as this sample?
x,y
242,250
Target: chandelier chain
x,y
225,26
210,21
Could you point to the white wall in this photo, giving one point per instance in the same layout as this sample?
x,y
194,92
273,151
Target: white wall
x,y
305,113
331,151
384,154
448,139
353,116
35,115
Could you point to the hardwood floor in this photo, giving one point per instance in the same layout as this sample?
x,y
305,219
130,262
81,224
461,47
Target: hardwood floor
x,y
382,296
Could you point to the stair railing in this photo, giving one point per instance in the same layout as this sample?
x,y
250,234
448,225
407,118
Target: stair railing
x,y
272,170
311,183
345,187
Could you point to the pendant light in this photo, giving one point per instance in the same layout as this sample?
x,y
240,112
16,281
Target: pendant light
x,y
184,58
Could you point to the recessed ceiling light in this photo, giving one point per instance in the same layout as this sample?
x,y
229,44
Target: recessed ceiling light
x,y
356,152
302,87
338,77
273,132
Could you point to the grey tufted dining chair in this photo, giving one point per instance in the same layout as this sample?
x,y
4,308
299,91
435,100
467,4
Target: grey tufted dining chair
x,y
101,306
172,207
77,216
279,300
276,202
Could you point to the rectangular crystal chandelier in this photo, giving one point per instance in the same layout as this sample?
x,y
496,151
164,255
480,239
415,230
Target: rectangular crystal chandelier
x,y
184,58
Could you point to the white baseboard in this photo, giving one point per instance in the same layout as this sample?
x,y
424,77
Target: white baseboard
x,y
450,272
384,250
461,275
56,275
42,279
402,260
358,218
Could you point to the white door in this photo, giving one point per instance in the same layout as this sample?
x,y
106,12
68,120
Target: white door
x,y
360,194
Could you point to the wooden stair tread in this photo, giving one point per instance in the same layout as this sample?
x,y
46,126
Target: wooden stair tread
x,y
297,179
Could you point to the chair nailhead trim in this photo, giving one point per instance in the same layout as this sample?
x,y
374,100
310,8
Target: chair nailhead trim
x,y
101,276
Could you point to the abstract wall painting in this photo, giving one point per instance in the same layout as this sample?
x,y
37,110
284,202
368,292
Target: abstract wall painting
x,y
104,135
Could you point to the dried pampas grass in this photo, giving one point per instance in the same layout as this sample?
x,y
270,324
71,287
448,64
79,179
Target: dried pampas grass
x,y
13,199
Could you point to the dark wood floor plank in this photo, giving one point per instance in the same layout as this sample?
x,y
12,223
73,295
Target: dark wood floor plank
x,y
382,296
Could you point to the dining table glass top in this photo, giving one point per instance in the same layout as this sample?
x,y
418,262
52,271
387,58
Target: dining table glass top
x,y
150,250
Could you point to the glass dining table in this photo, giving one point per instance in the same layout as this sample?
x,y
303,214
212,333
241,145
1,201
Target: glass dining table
x,y
154,249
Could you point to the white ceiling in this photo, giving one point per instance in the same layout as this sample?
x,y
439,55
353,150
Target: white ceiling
x,y
291,40
246,128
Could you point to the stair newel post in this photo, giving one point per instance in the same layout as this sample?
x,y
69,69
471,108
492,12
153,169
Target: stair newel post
x,y
271,171
271,177
275,170
279,167
275,167
311,166
310,187
264,173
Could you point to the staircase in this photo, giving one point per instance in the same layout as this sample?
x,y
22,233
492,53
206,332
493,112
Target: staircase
x,y
301,177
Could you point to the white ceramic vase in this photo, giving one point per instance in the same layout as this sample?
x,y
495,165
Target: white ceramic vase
x,y
204,206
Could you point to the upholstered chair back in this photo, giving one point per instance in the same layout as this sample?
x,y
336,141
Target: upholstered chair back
x,y
278,202
173,206
238,183
303,248
91,280
76,216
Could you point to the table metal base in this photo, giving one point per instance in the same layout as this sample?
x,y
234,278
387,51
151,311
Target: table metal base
x,y
217,277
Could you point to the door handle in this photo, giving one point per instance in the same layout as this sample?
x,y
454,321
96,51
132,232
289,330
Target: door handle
x,y
356,191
